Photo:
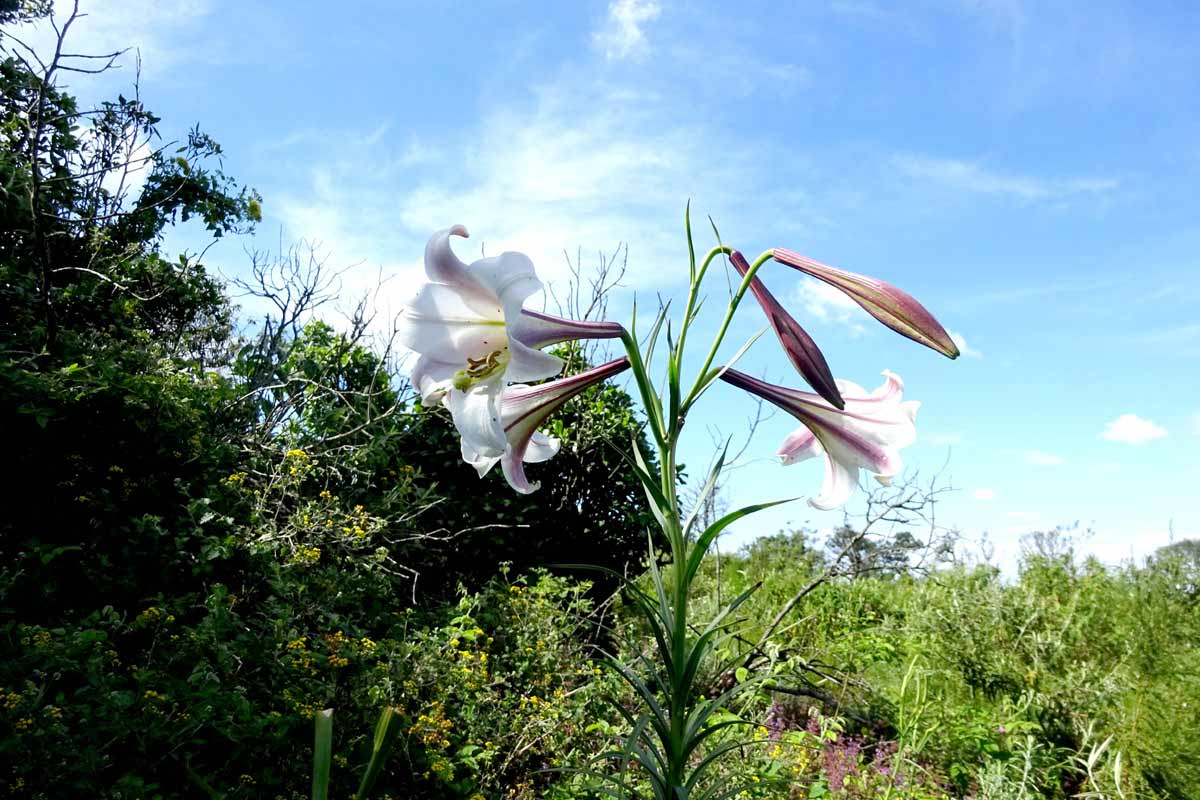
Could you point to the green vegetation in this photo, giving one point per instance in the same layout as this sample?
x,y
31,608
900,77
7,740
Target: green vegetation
x,y
213,531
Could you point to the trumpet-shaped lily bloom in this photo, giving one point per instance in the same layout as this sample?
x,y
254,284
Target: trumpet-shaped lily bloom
x,y
894,307
524,408
800,348
473,339
867,434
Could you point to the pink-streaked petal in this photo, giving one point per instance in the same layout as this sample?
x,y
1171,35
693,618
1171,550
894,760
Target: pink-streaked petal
x,y
535,329
532,450
868,434
541,448
892,306
432,379
514,473
799,445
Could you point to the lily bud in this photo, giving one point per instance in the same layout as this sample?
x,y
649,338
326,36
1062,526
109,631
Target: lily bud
x,y
800,348
537,330
893,307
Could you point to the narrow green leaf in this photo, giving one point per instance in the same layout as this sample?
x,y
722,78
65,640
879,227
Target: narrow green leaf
x,y
386,730
322,754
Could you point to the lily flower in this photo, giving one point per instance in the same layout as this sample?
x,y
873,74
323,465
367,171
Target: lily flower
x,y
522,409
800,348
867,434
894,307
472,336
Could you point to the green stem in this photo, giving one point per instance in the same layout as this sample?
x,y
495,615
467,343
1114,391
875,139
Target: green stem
x,y
688,311
701,379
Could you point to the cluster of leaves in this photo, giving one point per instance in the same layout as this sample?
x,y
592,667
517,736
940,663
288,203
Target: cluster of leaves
x,y
211,534
1075,679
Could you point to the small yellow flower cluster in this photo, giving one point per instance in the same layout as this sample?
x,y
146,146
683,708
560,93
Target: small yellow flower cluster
x,y
306,556
442,768
41,638
151,614
298,643
299,461
23,724
236,479
367,646
12,700
54,712
325,495
432,729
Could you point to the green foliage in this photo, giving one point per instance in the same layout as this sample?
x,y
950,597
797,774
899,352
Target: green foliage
x,y
210,536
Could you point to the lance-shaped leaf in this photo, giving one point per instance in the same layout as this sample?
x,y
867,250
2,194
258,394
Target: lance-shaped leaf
x,y
801,350
893,307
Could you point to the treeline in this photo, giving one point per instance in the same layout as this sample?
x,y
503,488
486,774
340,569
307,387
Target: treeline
x,y
214,527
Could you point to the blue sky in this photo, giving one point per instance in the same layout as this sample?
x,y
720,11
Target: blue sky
x,y
1027,169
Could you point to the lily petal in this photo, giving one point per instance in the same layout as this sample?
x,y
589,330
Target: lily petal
x,y
443,266
867,434
524,408
433,379
439,323
893,307
800,445
476,415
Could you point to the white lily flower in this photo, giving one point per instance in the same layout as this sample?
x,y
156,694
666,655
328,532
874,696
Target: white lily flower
x,y
522,409
460,325
867,434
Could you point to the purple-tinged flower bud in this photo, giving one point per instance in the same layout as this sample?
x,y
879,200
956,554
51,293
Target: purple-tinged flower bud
x,y
801,350
537,330
893,307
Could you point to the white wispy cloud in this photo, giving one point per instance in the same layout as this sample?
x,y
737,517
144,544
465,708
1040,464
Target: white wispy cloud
x,y
161,32
1043,459
972,176
986,495
623,34
584,164
1132,429
824,302
963,347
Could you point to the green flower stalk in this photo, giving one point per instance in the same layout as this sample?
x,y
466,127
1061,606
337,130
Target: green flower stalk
x,y
475,340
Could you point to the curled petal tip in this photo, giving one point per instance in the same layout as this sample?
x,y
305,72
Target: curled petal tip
x,y
892,306
459,230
